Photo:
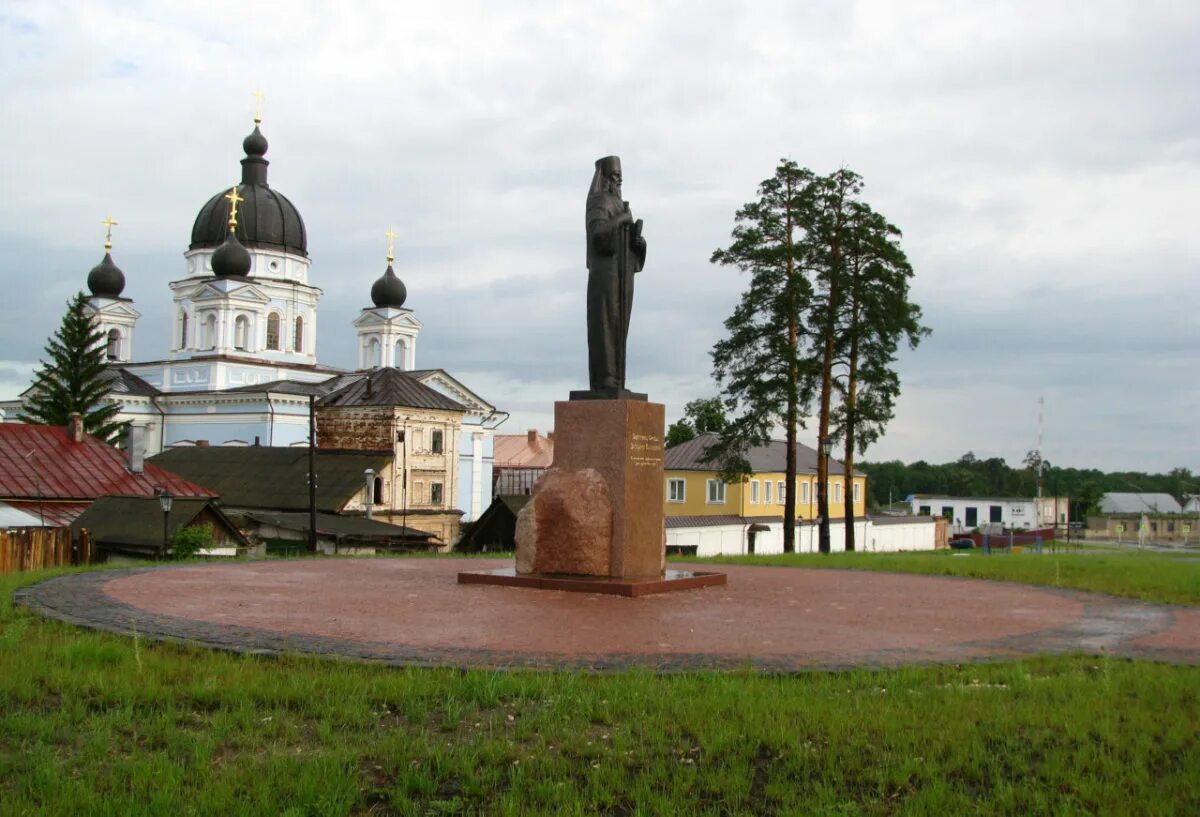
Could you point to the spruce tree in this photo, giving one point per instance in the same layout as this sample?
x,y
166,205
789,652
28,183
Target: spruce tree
x,y
74,377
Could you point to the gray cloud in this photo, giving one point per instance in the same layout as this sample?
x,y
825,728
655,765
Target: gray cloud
x,y
1042,164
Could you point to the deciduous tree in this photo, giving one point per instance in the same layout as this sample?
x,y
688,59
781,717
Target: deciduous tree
x,y
701,415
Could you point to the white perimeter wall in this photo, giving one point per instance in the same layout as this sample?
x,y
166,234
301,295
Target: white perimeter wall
x,y
730,540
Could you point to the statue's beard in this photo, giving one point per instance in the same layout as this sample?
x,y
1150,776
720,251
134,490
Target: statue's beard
x,y
615,189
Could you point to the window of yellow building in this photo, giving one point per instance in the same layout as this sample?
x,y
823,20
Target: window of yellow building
x,y
754,491
676,490
804,493
716,492
837,492
780,493
767,492
857,492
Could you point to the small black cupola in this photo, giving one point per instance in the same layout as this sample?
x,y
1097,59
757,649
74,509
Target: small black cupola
x,y
231,258
389,290
254,166
106,279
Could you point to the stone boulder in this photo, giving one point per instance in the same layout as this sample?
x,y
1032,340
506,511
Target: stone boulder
x,y
566,527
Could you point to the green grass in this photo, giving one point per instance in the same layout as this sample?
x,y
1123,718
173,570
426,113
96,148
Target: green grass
x,y
1145,575
96,724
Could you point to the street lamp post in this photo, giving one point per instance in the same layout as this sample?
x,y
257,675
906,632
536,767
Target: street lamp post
x,y
824,545
164,502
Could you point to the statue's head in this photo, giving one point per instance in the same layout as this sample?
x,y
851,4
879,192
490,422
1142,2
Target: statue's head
x,y
608,171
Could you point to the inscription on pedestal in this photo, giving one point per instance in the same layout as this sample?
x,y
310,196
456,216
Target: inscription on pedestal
x,y
646,451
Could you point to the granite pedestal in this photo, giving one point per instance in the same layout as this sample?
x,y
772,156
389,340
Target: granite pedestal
x,y
605,452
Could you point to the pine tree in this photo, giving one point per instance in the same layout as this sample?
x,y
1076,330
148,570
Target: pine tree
x,y
764,365
878,315
822,319
74,377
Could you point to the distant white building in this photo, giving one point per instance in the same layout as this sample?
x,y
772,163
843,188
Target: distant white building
x,y
969,512
1139,503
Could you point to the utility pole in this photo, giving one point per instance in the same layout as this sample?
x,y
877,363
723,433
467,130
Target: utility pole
x,y
1041,459
312,473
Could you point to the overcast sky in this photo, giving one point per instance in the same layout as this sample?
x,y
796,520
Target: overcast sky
x,y
1041,158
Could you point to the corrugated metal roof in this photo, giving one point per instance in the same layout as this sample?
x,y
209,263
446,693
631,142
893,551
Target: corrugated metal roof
x,y
138,521
389,387
55,514
13,517
40,462
690,456
704,521
320,388
1139,503
275,478
341,527
122,381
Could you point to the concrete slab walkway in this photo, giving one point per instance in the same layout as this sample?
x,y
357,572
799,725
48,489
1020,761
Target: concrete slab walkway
x,y
413,612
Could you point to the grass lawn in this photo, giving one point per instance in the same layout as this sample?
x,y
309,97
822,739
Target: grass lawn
x,y
99,724
1149,576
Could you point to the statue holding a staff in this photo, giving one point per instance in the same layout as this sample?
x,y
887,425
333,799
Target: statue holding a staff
x,y
616,251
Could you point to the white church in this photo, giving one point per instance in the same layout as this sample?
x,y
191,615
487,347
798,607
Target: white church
x,y
242,358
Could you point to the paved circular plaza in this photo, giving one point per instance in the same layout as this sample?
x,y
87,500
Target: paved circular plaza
x,y
413,612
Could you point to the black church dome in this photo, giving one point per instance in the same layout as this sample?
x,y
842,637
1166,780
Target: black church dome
x,y
389,290
266,219
106,279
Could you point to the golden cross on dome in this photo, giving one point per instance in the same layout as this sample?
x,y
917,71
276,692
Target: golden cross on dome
x,y
391,237
258,98
109,223
234,200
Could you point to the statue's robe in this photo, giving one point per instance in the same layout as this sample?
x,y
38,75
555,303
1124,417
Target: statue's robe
x,y
609,299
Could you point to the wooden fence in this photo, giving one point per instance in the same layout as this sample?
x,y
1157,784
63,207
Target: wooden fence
x,y
37,548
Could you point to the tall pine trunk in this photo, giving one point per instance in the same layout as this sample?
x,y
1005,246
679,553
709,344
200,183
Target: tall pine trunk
x,y
823,418
793,409
848,457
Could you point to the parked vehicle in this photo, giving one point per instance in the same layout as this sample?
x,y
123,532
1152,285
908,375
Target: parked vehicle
x,y
962,544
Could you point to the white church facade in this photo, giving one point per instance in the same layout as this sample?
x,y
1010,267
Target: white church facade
x,y
241,366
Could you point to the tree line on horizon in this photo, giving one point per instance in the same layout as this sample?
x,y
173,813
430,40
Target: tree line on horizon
x,y
894,481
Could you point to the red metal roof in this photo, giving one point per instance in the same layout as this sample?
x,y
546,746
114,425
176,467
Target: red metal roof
x,y
515,451
40,462
52,514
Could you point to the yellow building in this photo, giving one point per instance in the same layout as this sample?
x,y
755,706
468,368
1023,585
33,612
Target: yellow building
x,y
694,489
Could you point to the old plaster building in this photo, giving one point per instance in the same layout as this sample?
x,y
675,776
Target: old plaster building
x,y
241,365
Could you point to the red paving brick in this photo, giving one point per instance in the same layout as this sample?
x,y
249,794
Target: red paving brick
x,y
414,611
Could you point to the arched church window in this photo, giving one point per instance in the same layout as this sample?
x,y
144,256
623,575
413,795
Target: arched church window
x,y
183,327
210,331
299,345
273,331
377,491
114,344
241,332
374,352
401,355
